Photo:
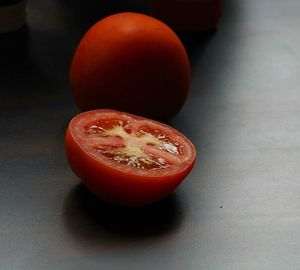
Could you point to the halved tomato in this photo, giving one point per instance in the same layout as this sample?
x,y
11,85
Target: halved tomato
x,y
127,159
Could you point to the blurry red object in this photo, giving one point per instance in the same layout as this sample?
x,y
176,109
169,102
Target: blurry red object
x,y
188,15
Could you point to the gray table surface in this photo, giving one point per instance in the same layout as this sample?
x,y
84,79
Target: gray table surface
x,y
240,207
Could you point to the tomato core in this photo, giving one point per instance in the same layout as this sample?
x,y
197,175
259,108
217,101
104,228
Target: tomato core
x,y
139,147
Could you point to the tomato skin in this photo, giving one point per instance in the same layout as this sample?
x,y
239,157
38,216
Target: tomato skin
x,y
115,186
131,62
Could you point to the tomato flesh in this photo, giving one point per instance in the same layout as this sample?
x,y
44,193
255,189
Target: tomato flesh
x,y
142,148
127,151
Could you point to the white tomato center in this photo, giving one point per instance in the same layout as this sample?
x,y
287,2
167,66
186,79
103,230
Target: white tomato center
x,y
139,147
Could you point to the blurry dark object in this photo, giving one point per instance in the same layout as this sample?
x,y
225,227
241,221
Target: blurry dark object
x,y
12,15
188,15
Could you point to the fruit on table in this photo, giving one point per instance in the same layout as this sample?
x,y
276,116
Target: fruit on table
x,y
126,159
131,62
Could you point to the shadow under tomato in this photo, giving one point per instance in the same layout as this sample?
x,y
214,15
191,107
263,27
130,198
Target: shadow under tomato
x,y
90,218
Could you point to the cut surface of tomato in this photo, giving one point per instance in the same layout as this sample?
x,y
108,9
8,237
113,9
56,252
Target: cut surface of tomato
x,y
127,159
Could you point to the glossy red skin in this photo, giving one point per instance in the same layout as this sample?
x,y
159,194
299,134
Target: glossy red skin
x,y
131,62
119,187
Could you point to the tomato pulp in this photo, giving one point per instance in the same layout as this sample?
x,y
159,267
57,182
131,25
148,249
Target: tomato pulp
x,y
127,159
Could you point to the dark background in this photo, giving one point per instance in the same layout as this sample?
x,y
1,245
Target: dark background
x,y
238,209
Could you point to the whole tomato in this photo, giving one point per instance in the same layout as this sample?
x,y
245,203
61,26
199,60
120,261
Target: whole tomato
x,y
131,62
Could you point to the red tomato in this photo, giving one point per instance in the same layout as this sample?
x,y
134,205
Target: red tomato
x,y
131,62
127,159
